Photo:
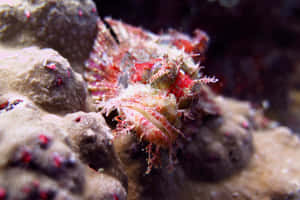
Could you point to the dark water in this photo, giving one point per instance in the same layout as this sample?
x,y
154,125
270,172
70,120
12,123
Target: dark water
x,y
254,45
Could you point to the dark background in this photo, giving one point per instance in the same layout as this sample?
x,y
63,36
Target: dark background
x,y
254,44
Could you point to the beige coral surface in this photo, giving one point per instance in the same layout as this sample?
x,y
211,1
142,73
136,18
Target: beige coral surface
x,y
272,173
42,152
69,26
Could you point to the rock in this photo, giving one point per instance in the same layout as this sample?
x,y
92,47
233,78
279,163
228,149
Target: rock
x,y
45,77
51,149
92,140
66,26
217,138
24,184
219,144
271,172
39,158
102,187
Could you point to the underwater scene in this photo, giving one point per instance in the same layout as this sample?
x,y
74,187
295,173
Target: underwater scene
x,y
149,100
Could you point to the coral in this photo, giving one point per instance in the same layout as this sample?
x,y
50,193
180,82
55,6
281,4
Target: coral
x,y
271,173
218,143
91,139
46,78
36,161
150,101
66,26
102,186
40,158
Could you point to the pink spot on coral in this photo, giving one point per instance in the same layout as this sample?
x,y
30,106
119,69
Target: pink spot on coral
x,y
4,105
26,156
18,101
227,133
78,119
43,195
51,66
69,73
59,81
26,189
265,122
94,10
2,193
57,160
44,140
36,183
115,197
245,125
80,13
27,14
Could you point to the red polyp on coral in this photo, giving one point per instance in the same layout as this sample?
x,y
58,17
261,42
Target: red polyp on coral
x,y
3,104
57,160
2,193
145,77
44,140
26,156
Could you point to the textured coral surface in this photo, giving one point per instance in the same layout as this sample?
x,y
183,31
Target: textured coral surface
x,y
46,78
41,154
66,26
